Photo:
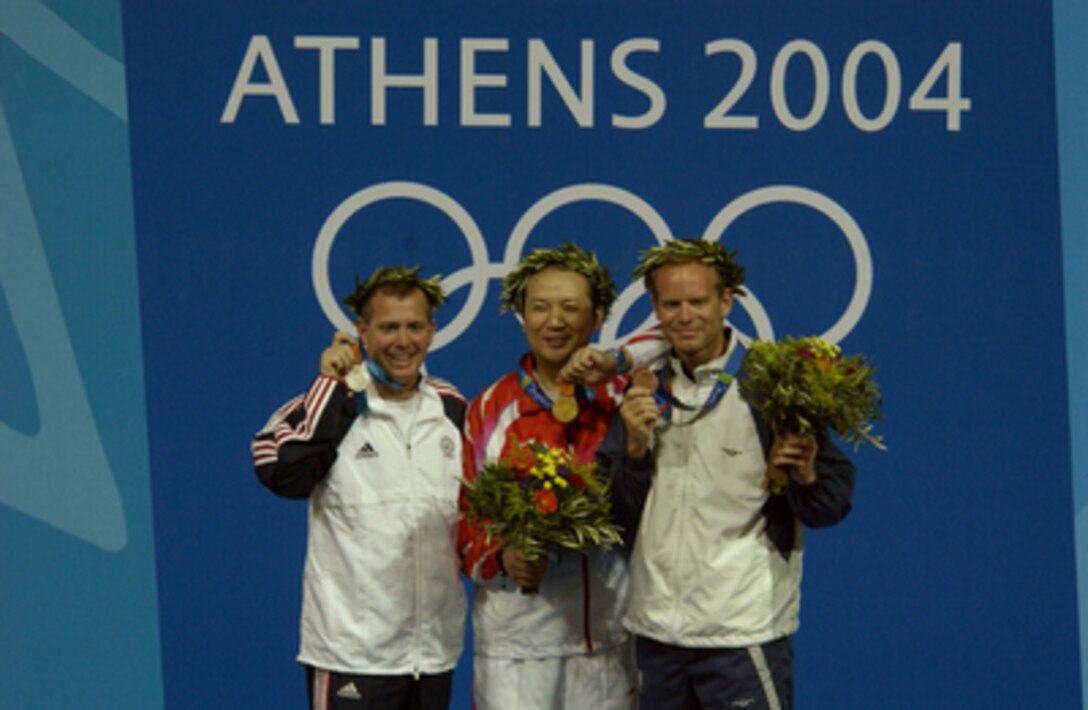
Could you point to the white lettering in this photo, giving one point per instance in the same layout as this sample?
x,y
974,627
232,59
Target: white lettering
x,y
380,81
953,103
719,116
821,89
471,80
259,48
489,92
326,47
892,86
638,82
580,107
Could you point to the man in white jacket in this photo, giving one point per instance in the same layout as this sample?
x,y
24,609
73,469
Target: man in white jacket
x,y
716,564
377,448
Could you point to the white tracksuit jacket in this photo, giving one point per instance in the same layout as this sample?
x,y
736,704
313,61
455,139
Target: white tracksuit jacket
x,y
381,591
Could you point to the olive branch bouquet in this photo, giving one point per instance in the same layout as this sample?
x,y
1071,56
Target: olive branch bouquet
x,y
537,497
807,386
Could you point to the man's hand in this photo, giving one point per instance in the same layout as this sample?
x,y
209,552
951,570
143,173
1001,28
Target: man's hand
x,y
639,412
527,575
339,358
588,366
797,455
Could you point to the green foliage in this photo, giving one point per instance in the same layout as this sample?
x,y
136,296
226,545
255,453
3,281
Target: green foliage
x,y
395,277
537,498
569,258
807,386
679,251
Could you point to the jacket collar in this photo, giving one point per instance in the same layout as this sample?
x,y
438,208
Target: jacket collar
x,y
430,404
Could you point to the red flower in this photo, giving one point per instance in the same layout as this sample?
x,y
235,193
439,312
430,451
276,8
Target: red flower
x,y
546,502
520,457
576,481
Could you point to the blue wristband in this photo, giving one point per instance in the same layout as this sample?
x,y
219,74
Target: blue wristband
x,y
621,360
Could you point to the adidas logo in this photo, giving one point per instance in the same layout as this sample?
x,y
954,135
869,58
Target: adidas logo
x,y
349,691
366,451
730,452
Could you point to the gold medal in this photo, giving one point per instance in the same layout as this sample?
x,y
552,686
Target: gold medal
x,y
565,407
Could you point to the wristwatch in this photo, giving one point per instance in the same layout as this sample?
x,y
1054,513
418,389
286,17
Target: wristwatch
x,y
621,360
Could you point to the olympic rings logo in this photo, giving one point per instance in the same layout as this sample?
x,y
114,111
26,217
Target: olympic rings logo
x,y
482,270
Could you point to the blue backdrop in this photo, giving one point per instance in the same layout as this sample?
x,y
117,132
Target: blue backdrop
x,y
187,189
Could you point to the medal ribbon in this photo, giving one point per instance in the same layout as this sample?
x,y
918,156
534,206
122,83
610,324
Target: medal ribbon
x,y
666,400
383,378
538,395
379,375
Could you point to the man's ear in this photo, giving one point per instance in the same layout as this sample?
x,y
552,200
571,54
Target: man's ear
x,y
598,318
727,301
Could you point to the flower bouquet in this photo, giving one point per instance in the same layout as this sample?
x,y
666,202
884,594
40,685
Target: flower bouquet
x,y
537,498
807,386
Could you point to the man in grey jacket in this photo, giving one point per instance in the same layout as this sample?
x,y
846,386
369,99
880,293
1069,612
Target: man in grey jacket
x,y
716,561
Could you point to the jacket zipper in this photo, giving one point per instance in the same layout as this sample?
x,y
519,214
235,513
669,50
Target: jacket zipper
x,y
416,552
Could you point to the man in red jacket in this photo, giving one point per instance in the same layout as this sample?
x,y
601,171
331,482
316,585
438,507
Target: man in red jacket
x,y
562,646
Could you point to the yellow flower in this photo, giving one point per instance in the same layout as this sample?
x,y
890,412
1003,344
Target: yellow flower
x,y
829,350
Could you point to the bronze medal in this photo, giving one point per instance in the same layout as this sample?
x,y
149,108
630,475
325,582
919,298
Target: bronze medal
x,y
642,377
565,407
